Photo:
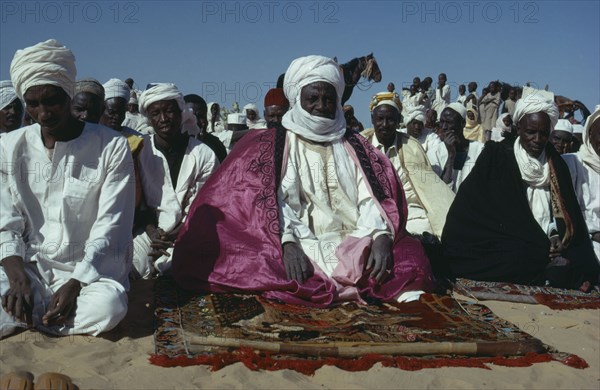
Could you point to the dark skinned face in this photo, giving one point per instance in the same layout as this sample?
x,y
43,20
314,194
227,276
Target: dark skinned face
x,y
11,115
442,80
561,141
114,113
534,130
87,107
507,120
165,118
200,112
385,119
274,115
214,110
472,87
452,122
595,136
461,89
251,115
414,128
49,106
319,99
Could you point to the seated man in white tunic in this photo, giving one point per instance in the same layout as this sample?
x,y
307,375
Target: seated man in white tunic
x,y
585,173
66,208
428,197
317,214
173,168
462,153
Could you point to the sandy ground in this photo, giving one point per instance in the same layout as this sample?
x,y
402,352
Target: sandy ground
x,y
119,360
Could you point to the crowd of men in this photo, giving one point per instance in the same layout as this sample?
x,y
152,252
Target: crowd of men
x,y
102,183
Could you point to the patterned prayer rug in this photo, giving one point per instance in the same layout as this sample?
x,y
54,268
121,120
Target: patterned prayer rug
x,y
437,331
554,298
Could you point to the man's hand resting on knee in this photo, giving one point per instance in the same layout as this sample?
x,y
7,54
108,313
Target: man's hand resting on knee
x,y
380,261
63,303
18,300
297,265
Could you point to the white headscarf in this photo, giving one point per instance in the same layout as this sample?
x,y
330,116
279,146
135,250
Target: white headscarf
x,y
533,101
586,151
252,107
459,108
47,63
301,72
536,173
500,123
115,88
168,91
7,93
414,112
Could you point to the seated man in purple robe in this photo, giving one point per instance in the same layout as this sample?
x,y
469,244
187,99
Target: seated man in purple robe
x,y
308,213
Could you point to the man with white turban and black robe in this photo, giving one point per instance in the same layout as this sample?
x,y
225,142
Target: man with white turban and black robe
x,y
516,217
173,168
307,213
66,207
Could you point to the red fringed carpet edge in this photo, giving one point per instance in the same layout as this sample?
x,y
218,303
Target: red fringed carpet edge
x,y
258,361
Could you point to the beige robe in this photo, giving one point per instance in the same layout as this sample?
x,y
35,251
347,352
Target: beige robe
x,y
427,196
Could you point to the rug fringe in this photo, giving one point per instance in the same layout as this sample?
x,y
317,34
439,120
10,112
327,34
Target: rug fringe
x,y
258,361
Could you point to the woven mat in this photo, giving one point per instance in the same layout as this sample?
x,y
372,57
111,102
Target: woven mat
x,y
554,298
316,336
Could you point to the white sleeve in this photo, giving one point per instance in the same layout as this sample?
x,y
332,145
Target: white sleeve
x,y
12,223
208,163
370,221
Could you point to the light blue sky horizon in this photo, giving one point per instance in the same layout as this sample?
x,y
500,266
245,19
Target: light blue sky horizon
x,y
230,51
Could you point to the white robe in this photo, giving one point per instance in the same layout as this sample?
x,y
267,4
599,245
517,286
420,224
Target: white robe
x,y
172,203
436,150
458,176
69,217
324,198
442,99
586,183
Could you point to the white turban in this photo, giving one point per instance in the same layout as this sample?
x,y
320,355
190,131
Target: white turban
x,y
307,70
386,103
415,112
47,63
168,91
564,125
7,93
533,101
459,108
251,107
115,88
500,122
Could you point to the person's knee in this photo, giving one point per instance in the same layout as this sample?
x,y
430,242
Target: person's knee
x,y
101,309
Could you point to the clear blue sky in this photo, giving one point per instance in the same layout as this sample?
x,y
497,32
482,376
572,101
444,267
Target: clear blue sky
x,y
234,50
